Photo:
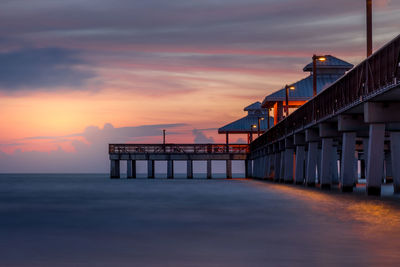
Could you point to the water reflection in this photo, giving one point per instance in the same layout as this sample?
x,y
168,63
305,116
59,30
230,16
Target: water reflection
x,y
371,214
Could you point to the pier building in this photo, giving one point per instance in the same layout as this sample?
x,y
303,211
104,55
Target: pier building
x,y
299,92
254,123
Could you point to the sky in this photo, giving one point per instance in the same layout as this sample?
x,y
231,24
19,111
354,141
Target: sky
x,y
76,75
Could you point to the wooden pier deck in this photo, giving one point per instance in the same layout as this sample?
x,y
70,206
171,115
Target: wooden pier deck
x,y
171,152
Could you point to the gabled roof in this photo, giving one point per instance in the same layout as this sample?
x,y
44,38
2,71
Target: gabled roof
x,y
243,125
331,62
254,106
303,89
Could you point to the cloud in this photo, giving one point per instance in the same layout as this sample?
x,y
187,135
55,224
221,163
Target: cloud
x,y
50,68
240,141
201,138
111,134
89,155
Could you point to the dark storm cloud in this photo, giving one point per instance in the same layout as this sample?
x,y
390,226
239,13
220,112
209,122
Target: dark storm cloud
x,y
41,68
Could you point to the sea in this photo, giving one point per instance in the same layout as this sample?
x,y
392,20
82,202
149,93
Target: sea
x,y
91,220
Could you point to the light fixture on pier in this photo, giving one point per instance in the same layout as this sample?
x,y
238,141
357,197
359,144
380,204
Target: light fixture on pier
x,y
316,58
250,139
287,88
259,126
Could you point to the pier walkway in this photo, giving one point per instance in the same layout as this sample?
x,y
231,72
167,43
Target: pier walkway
x,y
354,122
172,152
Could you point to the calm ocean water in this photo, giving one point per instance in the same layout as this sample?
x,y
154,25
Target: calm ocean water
x,y
90,220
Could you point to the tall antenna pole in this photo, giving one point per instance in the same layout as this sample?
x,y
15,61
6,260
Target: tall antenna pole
x,y
369,27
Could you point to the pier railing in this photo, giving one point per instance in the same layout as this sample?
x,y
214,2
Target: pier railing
x,y
178,148
376,73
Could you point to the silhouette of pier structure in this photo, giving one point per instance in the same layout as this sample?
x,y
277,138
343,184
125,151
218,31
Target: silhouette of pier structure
x,y
351,125
174,152
355,118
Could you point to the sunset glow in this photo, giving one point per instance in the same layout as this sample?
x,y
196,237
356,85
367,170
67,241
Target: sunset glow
x,y
61,75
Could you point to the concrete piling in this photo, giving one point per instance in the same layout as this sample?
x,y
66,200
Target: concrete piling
x,y
375,158
189,169
131,169
170,169
150,169
114,170
229,169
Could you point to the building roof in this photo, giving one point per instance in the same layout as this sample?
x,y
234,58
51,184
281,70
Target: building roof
x,y
243,125
254,106
303,89
331,62
330,70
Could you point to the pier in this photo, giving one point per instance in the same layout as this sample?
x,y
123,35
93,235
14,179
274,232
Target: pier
x,y
349,130
172,152
354,122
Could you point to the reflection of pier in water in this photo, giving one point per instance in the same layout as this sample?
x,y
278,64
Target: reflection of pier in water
x,y
171,152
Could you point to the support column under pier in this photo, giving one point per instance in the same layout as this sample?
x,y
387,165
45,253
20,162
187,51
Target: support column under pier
x,y
114,169
395,153
267,166
388,168
256,167
347,162
248,165
327,163
229,169
170,169
312,158
289,156
131,169
299,171
365,143
375,158
277,166
319,166
189,169
209,170
282,167
335,171
150,169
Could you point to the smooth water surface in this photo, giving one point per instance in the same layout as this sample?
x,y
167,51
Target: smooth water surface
x,y
90,220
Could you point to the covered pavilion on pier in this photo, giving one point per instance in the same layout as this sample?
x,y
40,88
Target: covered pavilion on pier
x,y
328,71
254,123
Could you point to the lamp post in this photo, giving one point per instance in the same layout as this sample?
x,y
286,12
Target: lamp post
x,y
314,60
163,131
259,126
251,132
287,88
369,27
